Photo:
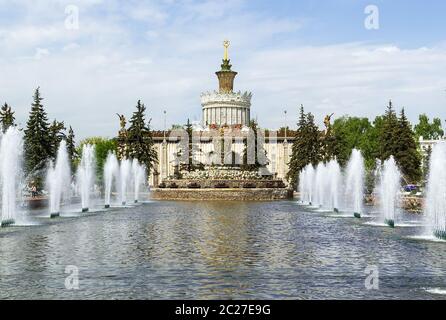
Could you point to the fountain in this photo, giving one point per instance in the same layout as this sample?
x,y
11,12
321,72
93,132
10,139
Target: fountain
x,y
306,183
435,209
355,182
138,178
320,185
10,158
59,180
86,175
124,179
390,183
334,178
111,173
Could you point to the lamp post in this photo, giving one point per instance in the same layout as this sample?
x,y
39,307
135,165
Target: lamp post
x,y
286,126
165,122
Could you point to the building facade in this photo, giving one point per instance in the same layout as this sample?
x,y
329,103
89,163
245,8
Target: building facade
x,y
221,110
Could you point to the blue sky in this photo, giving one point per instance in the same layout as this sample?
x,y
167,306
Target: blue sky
x,y
314,52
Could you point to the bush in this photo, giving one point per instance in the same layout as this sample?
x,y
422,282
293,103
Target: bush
x,y
193,185
221,185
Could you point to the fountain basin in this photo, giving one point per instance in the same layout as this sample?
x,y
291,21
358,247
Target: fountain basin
x,y
54,215
85,209
7,223
357,215
390,223
440,234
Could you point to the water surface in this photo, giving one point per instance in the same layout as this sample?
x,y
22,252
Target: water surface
x,y
218,250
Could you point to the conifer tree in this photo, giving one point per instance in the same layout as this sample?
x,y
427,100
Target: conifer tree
x,y
56,134
306,146
189,165
140,139
7,118
37,146
260,157
406,152
388,135
71,148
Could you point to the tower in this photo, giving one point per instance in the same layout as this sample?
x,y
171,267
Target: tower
x,y
226,107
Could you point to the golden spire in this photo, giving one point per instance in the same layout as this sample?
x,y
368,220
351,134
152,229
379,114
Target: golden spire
x,y
226,45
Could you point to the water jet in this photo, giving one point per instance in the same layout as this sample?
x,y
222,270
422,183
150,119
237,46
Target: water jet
x,y
59,180
389,185
86,175
355,183
111,174
435,210
10,158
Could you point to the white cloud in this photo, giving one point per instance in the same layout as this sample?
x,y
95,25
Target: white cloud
x,y
41,53
168,60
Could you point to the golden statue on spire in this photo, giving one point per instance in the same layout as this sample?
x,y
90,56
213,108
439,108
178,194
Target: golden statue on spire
x,y
226,44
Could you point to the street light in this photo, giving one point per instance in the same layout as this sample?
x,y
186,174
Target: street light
x,y
165,126
286,127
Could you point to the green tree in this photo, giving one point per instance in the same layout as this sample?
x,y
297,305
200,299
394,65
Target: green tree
x,y
428,130
102,147
306,147
406,150
330,145
388,136
353,133
56,134
260,158
140,139
189,165
37,145
7,118
71,149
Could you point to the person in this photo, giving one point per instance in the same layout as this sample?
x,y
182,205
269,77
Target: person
x,y
33,189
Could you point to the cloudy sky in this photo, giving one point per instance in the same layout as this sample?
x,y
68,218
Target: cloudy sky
x,y
165,52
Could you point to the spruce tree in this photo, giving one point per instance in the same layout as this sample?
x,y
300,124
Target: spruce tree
x,y
37,146
388,135
71,148
56,135
189,165
306,146
7,118
260,157
406,150
140,139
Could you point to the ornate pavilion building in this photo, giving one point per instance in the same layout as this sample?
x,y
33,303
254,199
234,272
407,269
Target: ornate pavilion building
x,y
222,109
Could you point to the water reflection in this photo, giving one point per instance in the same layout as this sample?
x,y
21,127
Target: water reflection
x,y
221,250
